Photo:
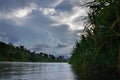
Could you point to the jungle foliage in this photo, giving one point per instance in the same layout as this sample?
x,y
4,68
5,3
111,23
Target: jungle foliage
x,y
99,49
8,52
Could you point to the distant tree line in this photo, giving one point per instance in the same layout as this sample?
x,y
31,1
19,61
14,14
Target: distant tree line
x,y
9,52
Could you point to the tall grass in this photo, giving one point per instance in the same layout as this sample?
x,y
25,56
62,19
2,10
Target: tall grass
x,y
99,49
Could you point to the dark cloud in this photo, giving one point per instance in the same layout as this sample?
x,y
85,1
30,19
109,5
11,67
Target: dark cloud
x,y
61,45
39,47
52,29
65,6
13,4
9,30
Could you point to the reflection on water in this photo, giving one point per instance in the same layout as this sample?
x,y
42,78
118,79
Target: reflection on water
x,y
81,75
35,71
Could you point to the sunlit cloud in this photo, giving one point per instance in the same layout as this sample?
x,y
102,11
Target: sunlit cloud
x,y
19,15
70,18
19,12
23,12
48,11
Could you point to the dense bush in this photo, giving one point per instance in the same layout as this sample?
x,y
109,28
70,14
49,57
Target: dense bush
x,y
99,49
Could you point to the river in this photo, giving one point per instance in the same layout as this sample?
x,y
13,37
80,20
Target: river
x,y
45,71
35,71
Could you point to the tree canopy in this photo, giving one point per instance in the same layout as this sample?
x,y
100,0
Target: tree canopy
x,y
8,52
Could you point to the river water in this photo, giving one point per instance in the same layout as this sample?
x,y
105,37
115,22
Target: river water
x,y
35,71
45,71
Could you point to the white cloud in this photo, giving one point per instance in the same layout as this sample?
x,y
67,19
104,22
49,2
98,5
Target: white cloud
x,y
19,12
71,18
23,12
19,15
66,18
48,11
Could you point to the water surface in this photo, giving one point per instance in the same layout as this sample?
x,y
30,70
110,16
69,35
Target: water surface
x,y
35,71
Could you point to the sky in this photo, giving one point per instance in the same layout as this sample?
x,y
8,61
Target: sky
x,y
50,26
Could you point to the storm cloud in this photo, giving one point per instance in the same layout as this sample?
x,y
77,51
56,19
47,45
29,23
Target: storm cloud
x,y
50,26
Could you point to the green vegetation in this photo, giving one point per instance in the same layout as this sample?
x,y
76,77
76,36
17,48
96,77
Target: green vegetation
x,y
99,49
8,52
